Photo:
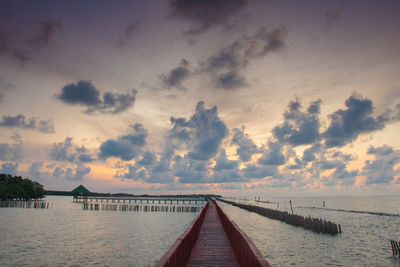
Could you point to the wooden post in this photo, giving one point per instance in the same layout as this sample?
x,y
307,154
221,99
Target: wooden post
x,y
291,208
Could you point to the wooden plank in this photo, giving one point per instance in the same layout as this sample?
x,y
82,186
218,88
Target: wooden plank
x,y
212,247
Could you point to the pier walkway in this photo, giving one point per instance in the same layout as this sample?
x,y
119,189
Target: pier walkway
x,y
213,239
212,247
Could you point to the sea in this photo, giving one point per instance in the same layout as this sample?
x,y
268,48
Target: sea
x,y
67,235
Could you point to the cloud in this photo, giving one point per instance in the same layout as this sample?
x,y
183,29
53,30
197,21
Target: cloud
x,y
202,134
273,155
299,128
341,172
9,168
381,170
148,159
85,94
206,13
199,138
4,86
62,151
309,153
45,33
19,121
222,163
78,174
129,33
225,170
35,170
296,165
246,147
10,49
331,17
258,172
176,76
10,152
346,125
67,152
230,80
190,171
125,147
133,173
382,150
226,67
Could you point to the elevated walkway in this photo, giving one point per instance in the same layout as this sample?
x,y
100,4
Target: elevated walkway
x,y
213,239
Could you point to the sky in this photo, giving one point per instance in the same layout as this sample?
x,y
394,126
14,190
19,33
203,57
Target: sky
x,y
235,97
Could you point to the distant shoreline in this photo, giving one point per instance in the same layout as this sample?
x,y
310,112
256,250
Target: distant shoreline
x,y
68,193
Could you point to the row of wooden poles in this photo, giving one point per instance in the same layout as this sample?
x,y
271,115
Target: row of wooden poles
x,y
395,247
313,224
145,208
37,204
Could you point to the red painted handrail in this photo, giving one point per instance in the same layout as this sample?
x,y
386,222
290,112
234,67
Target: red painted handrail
x,y
247,254
178,254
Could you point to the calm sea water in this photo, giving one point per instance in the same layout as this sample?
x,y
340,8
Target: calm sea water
x,y
66,235
364,241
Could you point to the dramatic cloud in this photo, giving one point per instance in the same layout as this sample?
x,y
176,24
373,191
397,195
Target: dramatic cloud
x,y
225,67
62,151
125,147
9,168
346,125
246,147
176,76
129,33
35,170
67,152
258,172
78,174
341,173
85,94
222,163
202,134
273,155
225,170
309,153
45,33
299,128
10,152
133,173
384,169
199,138
19,121
206,13
191,171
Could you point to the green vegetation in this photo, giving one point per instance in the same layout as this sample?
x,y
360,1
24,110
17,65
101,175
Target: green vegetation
x,y
16,187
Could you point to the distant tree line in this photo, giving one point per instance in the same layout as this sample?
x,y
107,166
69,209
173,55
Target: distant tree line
x,y
18,188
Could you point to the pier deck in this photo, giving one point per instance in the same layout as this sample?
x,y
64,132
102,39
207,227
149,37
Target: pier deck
x,y
212,247
213,239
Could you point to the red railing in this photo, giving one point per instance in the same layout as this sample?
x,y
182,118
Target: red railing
x,y
178,254
247,254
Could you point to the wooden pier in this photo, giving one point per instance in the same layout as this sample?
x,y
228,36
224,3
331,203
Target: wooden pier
x,y
141,200
213,240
